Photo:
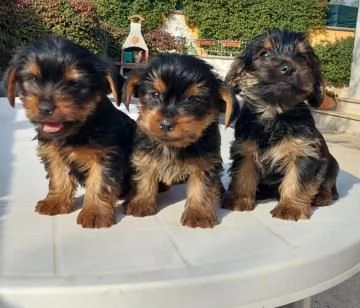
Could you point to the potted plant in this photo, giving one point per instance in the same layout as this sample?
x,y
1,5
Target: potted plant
x,y
329,101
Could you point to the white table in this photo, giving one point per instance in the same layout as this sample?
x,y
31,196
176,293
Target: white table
x,y
249,260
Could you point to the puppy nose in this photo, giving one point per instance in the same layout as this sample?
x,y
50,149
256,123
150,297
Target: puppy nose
x,y
286,69
46,108
167,125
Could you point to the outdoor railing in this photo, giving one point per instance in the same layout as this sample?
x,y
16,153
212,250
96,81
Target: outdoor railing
x,y
219,47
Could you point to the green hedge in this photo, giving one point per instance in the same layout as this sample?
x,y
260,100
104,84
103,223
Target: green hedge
x,y
18,25
244,19
336,60
75,19
116,12
113,15
22,21
102,25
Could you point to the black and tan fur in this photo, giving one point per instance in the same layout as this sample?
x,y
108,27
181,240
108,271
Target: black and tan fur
x,y
178,139
82,138
278,151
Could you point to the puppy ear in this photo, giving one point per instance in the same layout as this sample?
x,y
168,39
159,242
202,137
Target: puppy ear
x,y
10,86
130,88
229,106
113,87
316,97
111,78
232,78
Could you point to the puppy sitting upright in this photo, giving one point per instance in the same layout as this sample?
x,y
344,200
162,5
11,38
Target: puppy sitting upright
x,y
178,137
82,138
278,152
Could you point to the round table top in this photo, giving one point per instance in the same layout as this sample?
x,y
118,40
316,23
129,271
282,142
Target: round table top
x,y
249,260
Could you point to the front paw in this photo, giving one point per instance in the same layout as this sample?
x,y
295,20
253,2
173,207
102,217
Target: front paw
x,y
233,203
202,218
323,198
53,206
94,217
163,187
287,211
140,208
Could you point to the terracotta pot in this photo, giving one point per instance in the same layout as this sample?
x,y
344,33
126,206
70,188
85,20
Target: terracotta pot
x,y
328,103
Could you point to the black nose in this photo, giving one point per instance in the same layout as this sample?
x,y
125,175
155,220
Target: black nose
x,y
46,108
167,125
286,69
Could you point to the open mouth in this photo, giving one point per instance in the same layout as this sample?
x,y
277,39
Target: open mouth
x,y
52,127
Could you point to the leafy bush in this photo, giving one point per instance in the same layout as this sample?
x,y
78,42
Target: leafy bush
x,y
244,19
18,25
161,41
22,21
336,60
116,12
6,40
102,25
75,19
114,37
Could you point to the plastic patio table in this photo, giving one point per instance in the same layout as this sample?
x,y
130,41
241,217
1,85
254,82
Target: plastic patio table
x,y
249,260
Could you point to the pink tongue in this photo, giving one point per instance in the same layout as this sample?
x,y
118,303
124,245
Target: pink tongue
x,y
52,127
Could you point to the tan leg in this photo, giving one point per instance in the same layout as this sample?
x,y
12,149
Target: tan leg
x,y
295,197
143,200
62,185
203,194
242,190
98,208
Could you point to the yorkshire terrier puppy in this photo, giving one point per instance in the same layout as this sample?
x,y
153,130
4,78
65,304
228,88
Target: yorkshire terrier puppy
x,y
178,139
278,151
82,138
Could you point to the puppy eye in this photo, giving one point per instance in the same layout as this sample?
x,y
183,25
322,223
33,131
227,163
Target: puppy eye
x,y
33,78
265,54
155,94
73,84
304,56
193,100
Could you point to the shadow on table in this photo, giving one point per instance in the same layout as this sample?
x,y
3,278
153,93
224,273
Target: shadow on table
x,y
3,304
345,183
177,193
7,128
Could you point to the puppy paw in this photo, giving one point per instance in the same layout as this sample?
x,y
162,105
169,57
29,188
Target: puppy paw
x,y
163,187
140,208
198,218
93,217
233,203
323,198
52,206
290,212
